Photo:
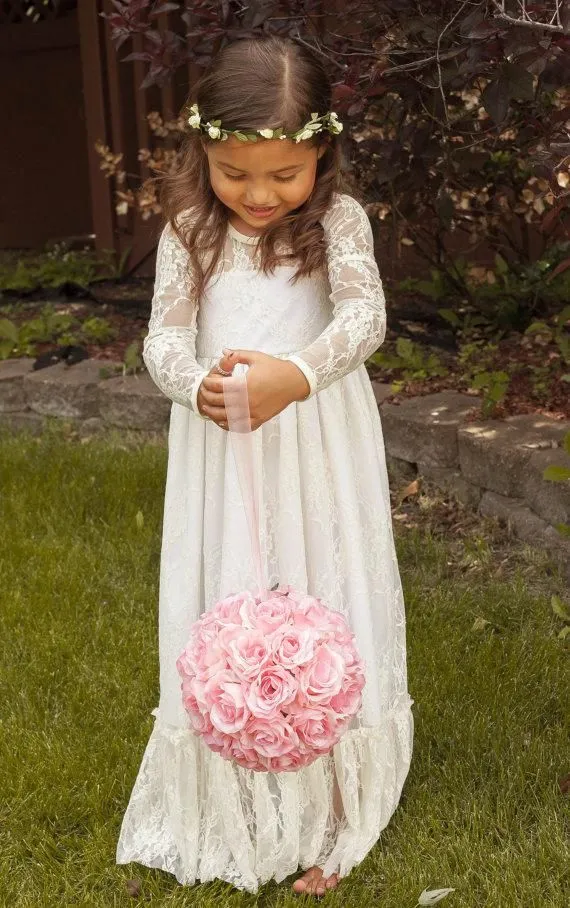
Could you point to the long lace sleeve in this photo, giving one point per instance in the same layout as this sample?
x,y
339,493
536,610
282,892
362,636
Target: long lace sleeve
x,y
358,326
169,348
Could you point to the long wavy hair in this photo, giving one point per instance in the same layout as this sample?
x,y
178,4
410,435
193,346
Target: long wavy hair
x,y
254,83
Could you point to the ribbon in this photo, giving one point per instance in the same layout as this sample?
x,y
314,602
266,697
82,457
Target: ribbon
x,y
236,402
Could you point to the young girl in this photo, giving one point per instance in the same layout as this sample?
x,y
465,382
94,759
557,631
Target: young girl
x,y
265,266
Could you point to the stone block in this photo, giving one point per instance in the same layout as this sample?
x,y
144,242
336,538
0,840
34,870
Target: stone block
x,y
453,483
381,391
400,471
134,402
12,372
514,512
528,526
550,500
91,426
24,421
69,392
425,428
494,453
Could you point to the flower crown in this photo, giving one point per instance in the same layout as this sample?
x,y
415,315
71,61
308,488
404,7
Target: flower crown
x,y
328,121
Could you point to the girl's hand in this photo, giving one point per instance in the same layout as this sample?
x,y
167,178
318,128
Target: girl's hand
x,y
272,384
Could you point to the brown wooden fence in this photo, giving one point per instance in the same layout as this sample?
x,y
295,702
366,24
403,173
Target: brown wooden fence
x,y
43,153
63,88
116,114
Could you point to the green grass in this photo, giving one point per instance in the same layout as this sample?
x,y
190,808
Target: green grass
x,y
482,810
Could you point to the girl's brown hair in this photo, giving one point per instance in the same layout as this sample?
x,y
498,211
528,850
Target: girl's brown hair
x,y
254,83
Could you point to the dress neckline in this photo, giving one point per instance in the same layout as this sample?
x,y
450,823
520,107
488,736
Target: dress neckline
x,y
241,237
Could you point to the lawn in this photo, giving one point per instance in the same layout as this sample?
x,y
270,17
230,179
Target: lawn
x,y
483,809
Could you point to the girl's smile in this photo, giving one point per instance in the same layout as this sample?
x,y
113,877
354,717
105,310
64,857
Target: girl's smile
x,y
261,182
260,212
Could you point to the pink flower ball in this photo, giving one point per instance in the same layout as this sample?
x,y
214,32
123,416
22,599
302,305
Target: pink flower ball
x,y
271,681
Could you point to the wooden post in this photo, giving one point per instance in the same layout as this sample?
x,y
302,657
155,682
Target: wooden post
x,y
91,42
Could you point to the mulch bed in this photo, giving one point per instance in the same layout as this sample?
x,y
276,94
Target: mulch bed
x,y
126,306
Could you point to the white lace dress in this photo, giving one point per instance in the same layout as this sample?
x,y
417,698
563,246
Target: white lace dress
x,y
325,528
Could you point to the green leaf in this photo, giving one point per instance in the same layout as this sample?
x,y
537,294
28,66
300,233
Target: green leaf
x,y
431,896
500,264
8,330
404,347
564,632
559,609
450,316
538,328
554,473
563,316
480,624
240,135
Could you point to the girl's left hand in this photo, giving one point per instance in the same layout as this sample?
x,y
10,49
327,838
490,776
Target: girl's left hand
x,y
272,384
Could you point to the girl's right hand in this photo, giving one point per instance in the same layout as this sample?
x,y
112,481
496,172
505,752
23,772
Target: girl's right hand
x,y
211,398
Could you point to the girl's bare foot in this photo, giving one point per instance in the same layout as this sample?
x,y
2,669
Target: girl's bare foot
x,y
313,882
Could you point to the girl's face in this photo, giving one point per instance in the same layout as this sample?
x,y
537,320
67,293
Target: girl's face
x,y
260,182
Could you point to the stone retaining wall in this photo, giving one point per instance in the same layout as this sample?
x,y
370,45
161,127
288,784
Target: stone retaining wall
x,y
492,466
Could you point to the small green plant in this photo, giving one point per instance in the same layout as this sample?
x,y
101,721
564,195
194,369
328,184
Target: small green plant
x,y
465,322
495,385
504,296
113,264
557,333
555,473
132,360
8,337
413,361
51,327
48,326
58,265
560,610
540,379
98,330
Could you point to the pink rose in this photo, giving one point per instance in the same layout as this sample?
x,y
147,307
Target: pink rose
x,y
293,646
274,687
348,700
266,616
218,742
317,728
247,649
292,594
203,656
347,650
321,678
290,762
309,612
195,704
225,699
228,610
245,756
269,738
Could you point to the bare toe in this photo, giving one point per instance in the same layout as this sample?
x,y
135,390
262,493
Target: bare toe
x,y
309,881
332,881
316,881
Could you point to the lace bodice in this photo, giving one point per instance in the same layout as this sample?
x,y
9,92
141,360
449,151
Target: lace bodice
x,y
328,323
